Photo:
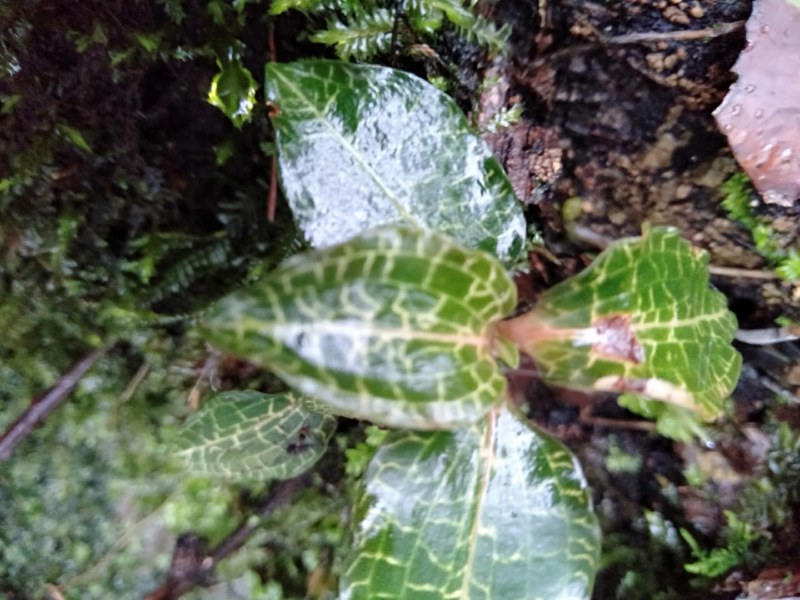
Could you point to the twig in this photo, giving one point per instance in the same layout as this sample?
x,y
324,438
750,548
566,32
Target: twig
x,y
743,273
674,36
273,54
207,374
45,404
589,419
398,6
102,564
135,382
53,592
272,199
779,391
186,579
643,37
765,337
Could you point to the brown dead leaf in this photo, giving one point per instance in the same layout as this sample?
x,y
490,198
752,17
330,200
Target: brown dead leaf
x,y
761,113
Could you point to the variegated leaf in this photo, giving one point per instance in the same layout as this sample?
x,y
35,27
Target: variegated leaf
x,y
496,510
248,435
361,146
393,327
641,319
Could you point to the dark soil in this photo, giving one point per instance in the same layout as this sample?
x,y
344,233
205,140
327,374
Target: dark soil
x,y
624,124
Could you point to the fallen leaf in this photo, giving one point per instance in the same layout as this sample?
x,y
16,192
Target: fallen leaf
x,y
761,113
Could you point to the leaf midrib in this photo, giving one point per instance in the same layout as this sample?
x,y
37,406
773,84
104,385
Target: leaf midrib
x,y
487,453
352,329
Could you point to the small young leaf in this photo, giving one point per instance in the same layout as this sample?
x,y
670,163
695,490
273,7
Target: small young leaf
x,y
361,146
498,510
248,435
75,136
233,90
392,327
641,319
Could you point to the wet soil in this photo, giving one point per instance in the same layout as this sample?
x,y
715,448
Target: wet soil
x,y
617,104
617,101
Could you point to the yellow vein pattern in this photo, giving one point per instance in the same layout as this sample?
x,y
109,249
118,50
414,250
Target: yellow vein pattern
x,y
362,146
682,327
498,510
393,327
248,435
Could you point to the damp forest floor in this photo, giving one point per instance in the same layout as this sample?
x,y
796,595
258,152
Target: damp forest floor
x,y
617,126
122,177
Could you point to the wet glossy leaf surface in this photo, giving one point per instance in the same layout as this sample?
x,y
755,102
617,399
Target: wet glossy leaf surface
x,y
641,319
233,90
498,510
392,327
361,146
248,435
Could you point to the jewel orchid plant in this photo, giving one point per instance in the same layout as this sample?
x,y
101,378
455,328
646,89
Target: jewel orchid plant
x,y
399,316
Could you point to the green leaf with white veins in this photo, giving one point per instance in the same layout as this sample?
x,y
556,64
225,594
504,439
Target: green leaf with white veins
x,y
496,510
248,435
641,319
395,327
361,146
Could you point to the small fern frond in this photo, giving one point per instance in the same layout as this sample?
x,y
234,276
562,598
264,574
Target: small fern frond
x,y
486,34
357,9
305,6
470,26
362,29
347,8
174,10
359,39
454,10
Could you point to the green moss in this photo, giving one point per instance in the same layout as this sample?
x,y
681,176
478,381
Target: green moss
x,y
365,29
739,203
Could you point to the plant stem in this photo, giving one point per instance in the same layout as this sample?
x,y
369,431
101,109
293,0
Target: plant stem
x,y
181,580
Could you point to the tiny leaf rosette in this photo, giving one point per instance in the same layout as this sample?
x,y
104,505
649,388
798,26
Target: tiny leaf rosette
x,y
495,510
395,327
641,319
247,435
361,146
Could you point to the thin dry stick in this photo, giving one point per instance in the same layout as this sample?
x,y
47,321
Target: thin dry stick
x,y
674,36
273,188
45,404
280,495
135,382
102,564
743,273
272,199
644,37
768,336
590,419
177,585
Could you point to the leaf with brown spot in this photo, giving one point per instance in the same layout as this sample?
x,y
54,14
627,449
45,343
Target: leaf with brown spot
x,y
641,320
